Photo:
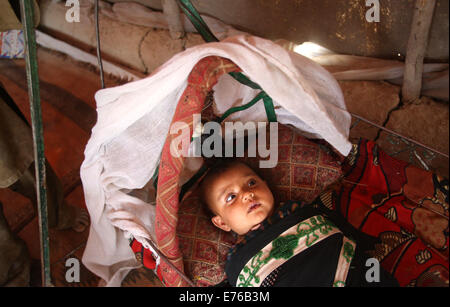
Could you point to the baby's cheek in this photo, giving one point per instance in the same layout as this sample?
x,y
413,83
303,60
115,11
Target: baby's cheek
x,y
260,215
234,215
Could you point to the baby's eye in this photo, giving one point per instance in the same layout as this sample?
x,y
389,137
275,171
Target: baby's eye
x,y
230,197
251,182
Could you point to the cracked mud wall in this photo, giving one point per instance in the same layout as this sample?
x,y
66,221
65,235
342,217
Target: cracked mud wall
x,y
427,123
372,100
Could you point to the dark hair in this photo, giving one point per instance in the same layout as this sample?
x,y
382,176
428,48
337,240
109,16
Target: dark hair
x,y
217,168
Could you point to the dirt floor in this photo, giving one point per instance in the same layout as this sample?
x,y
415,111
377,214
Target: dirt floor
x,y
68,111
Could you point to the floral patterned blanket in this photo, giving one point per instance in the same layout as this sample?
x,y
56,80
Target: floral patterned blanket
x,y
404,207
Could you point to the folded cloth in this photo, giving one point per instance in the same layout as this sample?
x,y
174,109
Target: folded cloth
x,y
12,44
133,122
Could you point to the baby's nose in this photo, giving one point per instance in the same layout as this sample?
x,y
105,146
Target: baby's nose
x,y
249,195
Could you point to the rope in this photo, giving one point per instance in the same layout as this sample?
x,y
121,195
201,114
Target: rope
x,y
202,28
197,21
242,108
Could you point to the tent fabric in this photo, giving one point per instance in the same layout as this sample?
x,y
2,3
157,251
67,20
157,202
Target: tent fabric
x,y
134,120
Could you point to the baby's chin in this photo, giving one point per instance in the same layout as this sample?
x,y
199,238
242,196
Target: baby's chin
x,y
262,212
255,227
258,219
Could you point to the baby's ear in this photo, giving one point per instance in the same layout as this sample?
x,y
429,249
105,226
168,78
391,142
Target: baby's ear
x,y
218,222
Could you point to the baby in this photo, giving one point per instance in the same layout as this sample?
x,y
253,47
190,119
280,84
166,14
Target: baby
x,y
293,245
238,199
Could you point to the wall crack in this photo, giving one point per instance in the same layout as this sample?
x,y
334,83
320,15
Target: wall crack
x,y
388,116
140,51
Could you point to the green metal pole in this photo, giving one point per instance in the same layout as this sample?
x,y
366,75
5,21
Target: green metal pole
x,y
26,7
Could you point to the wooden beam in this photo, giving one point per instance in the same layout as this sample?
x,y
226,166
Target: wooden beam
x,y
173,17
416,49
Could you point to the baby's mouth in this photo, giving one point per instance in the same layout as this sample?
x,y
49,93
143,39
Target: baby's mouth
x,y
253,206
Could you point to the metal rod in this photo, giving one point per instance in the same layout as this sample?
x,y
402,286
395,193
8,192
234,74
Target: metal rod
x,y
26,8
99,55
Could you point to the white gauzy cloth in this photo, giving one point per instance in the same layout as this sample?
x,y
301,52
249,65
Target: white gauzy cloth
x,y
133,121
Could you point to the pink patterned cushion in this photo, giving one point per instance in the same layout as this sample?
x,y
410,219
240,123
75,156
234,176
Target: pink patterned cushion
x,y
203,245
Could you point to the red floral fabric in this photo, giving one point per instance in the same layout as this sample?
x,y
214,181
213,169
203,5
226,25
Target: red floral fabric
x,y
403,206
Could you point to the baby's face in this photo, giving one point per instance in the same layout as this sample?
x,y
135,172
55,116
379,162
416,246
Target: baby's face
x,y
240,199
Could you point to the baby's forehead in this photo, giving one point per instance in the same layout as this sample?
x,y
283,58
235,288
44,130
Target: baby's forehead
x,y
223,175
231,174
237,170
